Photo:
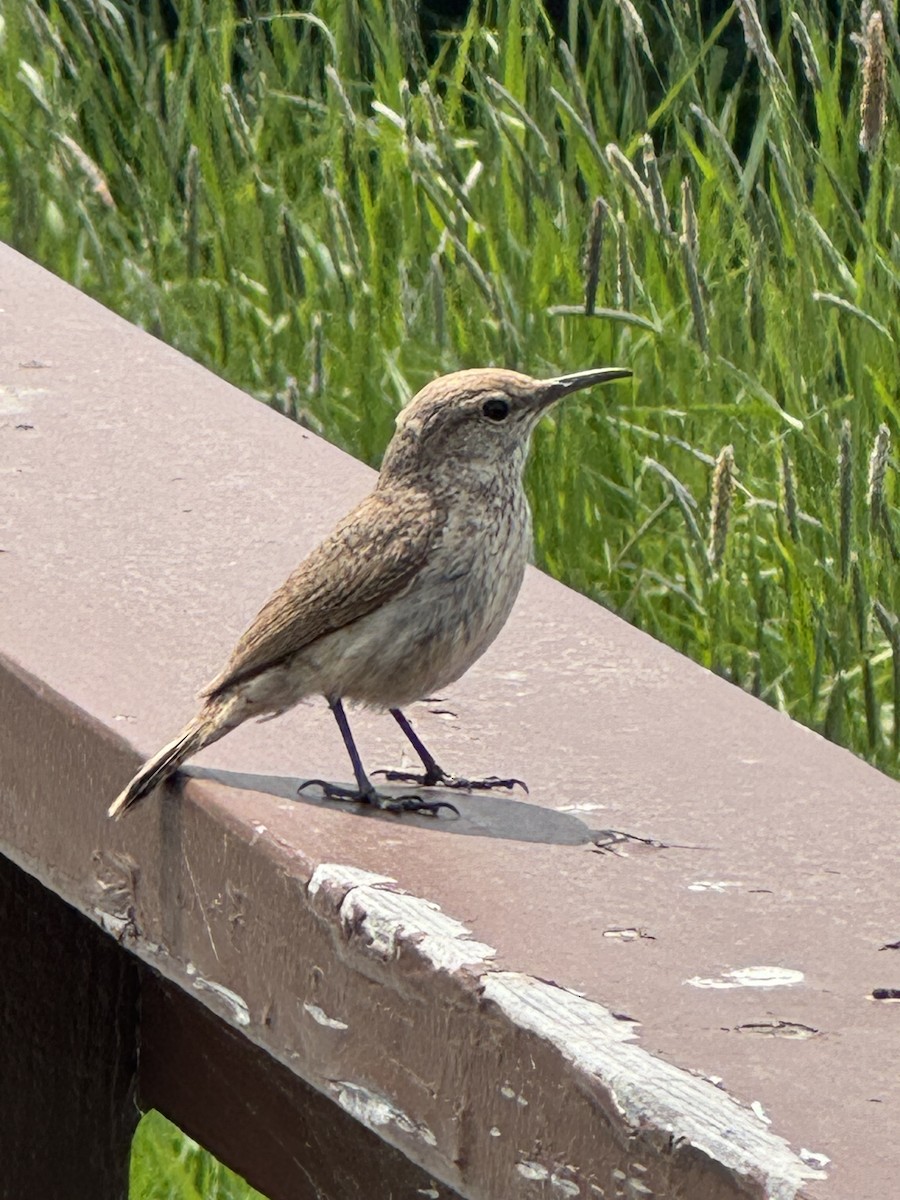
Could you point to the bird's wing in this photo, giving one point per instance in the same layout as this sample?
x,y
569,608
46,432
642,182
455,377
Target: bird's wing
x,y
370,557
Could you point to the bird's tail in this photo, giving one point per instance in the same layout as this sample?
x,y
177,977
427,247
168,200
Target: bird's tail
x,y
158,768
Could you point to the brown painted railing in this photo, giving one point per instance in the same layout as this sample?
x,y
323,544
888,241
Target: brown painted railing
x,y
519,1013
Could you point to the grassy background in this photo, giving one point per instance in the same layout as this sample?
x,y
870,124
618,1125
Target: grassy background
x,y
166,1165
328,212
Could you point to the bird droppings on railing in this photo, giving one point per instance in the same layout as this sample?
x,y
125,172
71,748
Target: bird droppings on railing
x,y
377,1111
238,1010
322,1018
750,977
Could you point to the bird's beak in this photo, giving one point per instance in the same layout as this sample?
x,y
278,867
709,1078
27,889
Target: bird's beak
x,y
555,389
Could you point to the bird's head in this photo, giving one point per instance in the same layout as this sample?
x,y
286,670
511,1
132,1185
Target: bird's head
x,y
479,420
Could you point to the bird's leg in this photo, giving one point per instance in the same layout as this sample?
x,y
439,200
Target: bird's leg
x,y
365,792
435,775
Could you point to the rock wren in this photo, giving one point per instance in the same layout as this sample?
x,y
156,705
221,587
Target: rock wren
x,y
406,593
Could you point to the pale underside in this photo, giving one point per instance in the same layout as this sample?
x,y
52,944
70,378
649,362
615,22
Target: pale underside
x,y
397,603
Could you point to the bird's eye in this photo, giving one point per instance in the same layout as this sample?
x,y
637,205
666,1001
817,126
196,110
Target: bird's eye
x,y
495,409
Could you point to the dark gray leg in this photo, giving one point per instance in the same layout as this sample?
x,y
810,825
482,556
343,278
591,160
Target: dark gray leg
x,y
435,775
365,792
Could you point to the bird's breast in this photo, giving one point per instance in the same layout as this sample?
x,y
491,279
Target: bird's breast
x,y
429,634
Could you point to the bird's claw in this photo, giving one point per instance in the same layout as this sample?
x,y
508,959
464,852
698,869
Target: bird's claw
x,y
415,804
394,804
453,782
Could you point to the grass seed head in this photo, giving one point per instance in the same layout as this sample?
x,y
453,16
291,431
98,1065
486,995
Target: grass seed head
x,y
789,489
593,249
690,244
624,269
654,182
720,505
689,231
878,461
758,42
807,52
623,168
92,173
845,488
873,106
343,99
634,26
192,209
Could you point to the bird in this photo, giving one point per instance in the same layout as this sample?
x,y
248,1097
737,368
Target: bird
x,y
407,591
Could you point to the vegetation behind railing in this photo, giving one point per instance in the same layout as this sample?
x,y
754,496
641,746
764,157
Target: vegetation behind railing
x,y
328,215
308,204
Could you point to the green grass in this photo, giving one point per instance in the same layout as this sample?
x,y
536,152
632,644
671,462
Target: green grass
x,y
166,1165
310,206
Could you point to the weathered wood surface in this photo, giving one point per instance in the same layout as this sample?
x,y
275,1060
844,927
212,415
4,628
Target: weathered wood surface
x,y
148,509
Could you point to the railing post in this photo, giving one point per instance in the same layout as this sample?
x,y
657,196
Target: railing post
x,y
68,1005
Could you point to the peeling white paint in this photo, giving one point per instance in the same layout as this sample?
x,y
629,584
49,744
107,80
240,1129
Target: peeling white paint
x,y
566,1187
390,919
533,1171
338,875
649,1092
760,977
812,1159
757,1108
322,1017
118,927
377,1111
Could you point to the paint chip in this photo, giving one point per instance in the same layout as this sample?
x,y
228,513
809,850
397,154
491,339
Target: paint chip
x,y
322,1017
761,977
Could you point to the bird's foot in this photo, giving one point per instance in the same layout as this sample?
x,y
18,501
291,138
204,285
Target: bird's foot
x,y
394,804
440,778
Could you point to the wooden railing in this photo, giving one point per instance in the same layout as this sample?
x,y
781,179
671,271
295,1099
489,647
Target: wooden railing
x,y
343,1003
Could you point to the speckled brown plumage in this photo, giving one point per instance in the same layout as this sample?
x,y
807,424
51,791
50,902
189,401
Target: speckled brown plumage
x,y
409,589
